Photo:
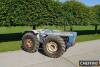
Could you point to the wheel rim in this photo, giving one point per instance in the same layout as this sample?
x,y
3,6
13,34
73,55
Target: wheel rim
x,y
28,43
51,47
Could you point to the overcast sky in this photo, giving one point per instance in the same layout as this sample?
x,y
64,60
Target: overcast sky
x,y
88,2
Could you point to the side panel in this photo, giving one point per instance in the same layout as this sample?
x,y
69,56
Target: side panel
x,y
71,39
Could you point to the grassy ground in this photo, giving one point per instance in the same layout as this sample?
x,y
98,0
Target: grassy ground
x,y
17,29
9,46
83,38
6,30
15,45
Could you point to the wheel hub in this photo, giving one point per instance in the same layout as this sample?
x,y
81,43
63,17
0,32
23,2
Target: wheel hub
x,y
52,47
28,43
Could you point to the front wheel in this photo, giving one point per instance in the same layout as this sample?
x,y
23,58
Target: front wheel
x,y
30,42
54,46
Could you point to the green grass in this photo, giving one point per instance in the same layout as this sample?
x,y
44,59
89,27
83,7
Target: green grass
x,y
83,28
17,29
9,46
82,38
68,27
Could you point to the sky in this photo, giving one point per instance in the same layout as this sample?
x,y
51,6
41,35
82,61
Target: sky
x,y
88,2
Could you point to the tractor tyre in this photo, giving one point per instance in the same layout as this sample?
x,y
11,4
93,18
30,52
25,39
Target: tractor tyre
x,y
54,46
30,42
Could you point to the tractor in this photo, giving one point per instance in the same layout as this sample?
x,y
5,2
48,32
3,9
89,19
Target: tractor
x,y
54,42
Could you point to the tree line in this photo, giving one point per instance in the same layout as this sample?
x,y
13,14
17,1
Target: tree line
x,y
29,12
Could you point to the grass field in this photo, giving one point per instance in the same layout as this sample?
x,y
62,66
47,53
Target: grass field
x,y
6,30
15,45
89,37
9,46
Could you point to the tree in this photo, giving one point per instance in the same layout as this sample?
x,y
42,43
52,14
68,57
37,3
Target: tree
x,y
25,12
96,8
77,13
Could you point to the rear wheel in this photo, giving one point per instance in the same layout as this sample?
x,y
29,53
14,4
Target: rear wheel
x,y
54,46
30,42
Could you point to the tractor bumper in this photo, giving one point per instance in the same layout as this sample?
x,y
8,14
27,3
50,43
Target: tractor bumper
x,y
71,39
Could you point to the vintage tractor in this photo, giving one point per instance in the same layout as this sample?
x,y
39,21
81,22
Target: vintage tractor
x,y
54,42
